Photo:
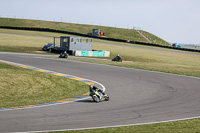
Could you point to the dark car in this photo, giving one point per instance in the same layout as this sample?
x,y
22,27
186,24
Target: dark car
x,y
48,46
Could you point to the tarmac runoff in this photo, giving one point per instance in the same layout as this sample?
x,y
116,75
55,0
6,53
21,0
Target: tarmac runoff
x,y
77,98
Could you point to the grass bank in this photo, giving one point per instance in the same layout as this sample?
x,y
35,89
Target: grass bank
x,y
111,32
21,87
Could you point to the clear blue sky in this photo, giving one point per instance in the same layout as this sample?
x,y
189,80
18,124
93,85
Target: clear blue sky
x,y
172,20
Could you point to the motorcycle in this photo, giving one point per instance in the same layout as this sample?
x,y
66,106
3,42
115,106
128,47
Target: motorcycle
x,y
117,58
63,55
98,96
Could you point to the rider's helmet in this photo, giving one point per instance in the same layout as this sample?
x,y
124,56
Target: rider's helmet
x,y
65,52
91,86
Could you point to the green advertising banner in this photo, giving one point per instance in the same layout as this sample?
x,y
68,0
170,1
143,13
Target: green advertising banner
x,y
85,53
98,53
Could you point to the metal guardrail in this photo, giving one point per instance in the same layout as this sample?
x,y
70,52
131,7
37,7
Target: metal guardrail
x,y
84,35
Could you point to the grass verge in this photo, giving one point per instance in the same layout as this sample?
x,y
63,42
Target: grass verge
x,y
187,126
154,60
21,87
26,44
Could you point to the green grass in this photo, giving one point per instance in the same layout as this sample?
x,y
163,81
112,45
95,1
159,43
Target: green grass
x,y
46,34
111,32
33,33
26,44
187,126
152,59
20,86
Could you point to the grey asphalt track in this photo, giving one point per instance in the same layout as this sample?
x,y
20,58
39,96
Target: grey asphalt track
x,y
136,96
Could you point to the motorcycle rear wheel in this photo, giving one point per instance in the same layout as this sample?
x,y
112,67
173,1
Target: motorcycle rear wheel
x,y
96,99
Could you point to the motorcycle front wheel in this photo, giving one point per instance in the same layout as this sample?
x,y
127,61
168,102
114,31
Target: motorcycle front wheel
x,y
106,97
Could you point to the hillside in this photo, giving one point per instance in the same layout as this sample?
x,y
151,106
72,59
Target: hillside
x,y
111,32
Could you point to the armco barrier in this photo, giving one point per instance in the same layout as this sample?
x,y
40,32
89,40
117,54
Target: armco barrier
x,y
84,35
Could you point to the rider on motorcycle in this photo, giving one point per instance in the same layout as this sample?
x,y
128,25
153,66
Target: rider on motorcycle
x,y
117,58
95,89
63,55
97,94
